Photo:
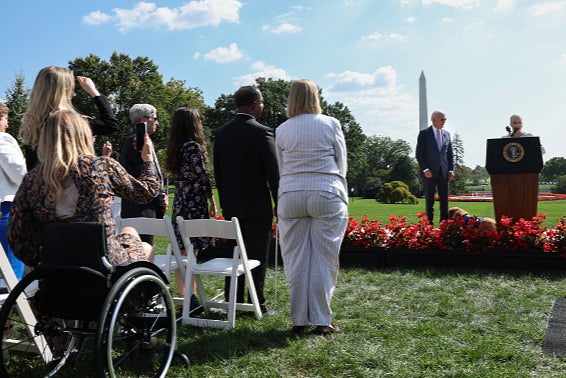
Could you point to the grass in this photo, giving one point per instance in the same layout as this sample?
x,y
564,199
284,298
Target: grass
x,y
417,323
421,322
395,323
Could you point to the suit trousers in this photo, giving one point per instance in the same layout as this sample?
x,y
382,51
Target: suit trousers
x,y
440,182
256,233
311,229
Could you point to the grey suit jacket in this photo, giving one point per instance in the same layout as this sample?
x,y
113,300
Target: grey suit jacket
x,y
427,153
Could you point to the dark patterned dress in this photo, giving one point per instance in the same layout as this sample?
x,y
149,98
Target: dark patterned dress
x,y
97,181
192,191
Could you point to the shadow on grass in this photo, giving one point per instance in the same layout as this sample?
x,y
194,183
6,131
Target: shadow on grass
x,y
204,345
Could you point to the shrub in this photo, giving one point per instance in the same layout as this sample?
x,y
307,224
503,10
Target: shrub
x,y
395,192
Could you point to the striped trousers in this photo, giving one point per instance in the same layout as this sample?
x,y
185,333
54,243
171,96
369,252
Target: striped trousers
x,y
311,229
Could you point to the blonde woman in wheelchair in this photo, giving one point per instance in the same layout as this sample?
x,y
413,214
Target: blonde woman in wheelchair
x,y
72,184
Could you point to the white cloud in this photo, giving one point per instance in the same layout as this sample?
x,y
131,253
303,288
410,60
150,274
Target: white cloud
x,y
504,5
383,77
378,103
375,37
468,4
285,27
228,54
96,18
191,15
410,20
562,59
543,8
262,69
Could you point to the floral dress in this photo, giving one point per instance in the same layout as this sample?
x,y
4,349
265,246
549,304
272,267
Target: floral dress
x,y
95,184
192,191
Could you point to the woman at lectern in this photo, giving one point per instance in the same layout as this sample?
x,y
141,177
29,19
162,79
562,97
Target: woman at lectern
x,y
515,130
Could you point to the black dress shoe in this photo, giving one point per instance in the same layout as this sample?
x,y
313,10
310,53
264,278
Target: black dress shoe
x,y
298,330
263,308
325,330
195,306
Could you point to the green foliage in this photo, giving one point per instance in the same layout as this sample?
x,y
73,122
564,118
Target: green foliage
x,y
406,169
17,102
560,186
395,192
553,168
127,81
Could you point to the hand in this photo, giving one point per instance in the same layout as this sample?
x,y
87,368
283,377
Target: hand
x,y
450,176
428,173
87,84
107,149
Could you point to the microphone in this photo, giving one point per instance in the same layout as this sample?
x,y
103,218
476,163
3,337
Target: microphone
x,y
515,129
508,129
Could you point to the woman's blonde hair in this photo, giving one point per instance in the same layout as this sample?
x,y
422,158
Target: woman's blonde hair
x,y
53,90
64,136
303,98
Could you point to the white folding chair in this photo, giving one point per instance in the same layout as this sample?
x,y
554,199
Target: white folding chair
x,y
25,309
226,267
172,259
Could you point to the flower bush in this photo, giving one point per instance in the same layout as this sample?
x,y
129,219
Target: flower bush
x,y
458,234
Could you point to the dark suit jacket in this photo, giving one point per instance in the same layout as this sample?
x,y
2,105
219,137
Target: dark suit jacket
x,y
245,168
428,155
132,161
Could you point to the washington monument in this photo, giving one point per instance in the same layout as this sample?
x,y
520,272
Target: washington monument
x,y
423,111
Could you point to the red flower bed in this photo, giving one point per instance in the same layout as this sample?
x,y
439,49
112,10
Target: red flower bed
x,y
457,234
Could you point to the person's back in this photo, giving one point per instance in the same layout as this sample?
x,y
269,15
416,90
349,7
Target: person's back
x,y
244,160
247,179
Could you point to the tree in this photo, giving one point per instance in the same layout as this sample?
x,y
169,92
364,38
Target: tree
x,y
553,168
406,169
461,175
17,101
126,81
560,185
355,144
479,175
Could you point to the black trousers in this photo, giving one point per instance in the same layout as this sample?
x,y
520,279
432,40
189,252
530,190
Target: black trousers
x,y
257,237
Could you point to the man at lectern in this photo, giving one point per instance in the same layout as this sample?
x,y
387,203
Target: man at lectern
x,y
436,161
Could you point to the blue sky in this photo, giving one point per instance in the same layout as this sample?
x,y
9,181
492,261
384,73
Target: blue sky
x,y
483,60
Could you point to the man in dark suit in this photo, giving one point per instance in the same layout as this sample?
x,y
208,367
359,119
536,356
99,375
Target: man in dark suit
x,y
247,178
130,158
436,160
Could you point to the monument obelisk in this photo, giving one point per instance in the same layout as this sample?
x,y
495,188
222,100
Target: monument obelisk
x,y
423,111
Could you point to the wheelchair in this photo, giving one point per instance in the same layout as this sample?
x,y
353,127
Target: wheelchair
x,y
74,306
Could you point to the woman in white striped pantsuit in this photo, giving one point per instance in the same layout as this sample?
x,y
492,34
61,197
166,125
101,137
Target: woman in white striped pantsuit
x,y
312,206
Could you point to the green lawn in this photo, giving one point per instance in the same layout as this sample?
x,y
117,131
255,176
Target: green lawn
x,y
419,322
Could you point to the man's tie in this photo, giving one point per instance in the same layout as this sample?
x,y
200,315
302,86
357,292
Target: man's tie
x,y
438,139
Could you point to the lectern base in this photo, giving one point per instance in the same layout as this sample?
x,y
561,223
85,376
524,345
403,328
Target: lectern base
x,y
515,195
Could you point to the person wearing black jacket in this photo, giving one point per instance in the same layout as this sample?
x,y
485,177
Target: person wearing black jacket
x,y
247,178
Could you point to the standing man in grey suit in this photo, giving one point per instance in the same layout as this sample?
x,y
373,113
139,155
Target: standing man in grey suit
x,y
436,160
247,179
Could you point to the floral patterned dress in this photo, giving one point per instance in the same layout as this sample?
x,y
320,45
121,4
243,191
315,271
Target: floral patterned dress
x,y
192,191
97,181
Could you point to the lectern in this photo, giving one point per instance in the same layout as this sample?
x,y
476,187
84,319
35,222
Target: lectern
x,y
514,165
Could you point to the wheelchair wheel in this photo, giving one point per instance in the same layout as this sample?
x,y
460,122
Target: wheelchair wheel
x,y
33,345
136,332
